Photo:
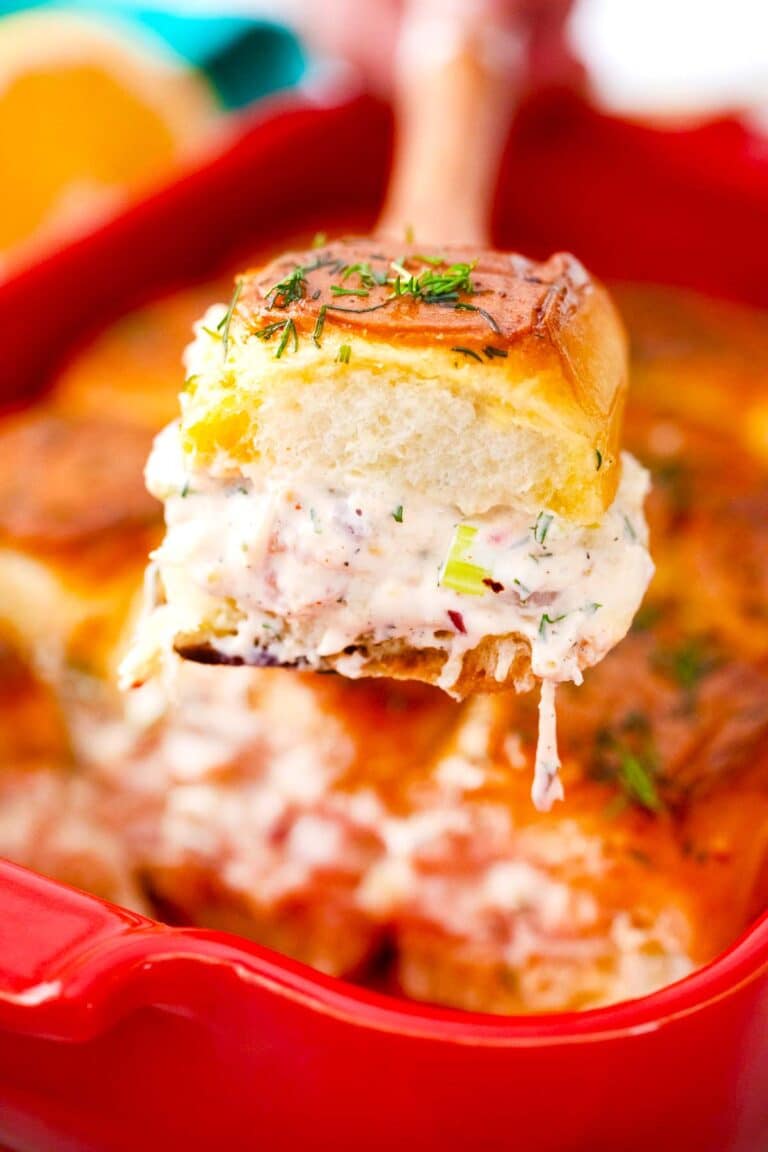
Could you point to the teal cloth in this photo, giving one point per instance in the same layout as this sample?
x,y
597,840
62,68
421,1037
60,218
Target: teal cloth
x,y
243,58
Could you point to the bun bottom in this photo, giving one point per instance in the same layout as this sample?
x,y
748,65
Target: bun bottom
x,y
495,664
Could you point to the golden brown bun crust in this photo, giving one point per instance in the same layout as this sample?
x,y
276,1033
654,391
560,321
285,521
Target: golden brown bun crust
x,y
516,303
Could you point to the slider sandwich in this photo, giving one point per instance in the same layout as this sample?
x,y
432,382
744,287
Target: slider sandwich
x,y
402,465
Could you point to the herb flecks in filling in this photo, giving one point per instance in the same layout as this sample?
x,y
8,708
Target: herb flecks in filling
x,y
546,622
541,527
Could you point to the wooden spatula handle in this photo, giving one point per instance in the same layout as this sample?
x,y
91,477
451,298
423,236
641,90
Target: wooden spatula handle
x,y
455,92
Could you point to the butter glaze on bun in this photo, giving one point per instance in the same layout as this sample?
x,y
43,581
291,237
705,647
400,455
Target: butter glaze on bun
x,y
510,395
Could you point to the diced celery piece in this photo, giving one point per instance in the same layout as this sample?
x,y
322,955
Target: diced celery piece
x,y
459,573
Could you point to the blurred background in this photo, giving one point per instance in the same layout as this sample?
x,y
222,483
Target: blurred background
x,y
101,102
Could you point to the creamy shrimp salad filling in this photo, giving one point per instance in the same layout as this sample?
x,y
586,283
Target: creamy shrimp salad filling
x,y
303,571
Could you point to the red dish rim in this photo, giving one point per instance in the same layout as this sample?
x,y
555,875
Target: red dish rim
x,y
745,961
96,980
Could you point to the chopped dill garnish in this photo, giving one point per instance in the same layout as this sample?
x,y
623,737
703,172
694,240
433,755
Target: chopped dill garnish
x,y
344,353
637,781
495,353
542,526
591,608
464,307
185,490
291,288
444,299
367,274
467,352
211,332
432,286
289,331
629,528
437,284
688,663
358,311
647,616
398,514
627,758
268,332
339,290
226,320
319,325
599,458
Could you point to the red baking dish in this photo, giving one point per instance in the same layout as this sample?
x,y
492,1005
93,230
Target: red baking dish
x,y
119,1033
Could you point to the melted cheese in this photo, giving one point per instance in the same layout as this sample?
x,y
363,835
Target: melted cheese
x,y
547,785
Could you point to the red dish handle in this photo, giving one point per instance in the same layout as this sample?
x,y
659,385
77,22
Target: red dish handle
x,y
44,942
72,964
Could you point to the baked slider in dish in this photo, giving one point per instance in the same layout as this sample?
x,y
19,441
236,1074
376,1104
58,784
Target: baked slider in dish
x,y
402,465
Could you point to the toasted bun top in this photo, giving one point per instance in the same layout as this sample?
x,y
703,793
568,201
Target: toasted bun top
x,y
476,378
514,303
511,295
